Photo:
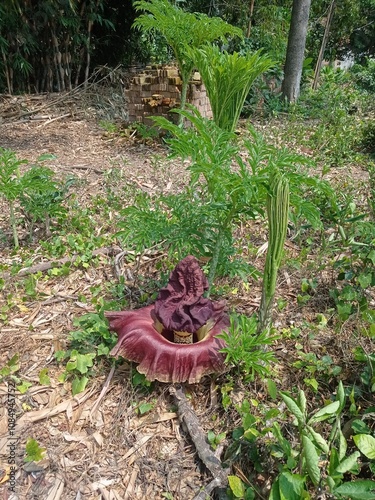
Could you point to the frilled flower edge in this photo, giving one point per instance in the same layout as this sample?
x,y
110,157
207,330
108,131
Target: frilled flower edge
x,y
162,360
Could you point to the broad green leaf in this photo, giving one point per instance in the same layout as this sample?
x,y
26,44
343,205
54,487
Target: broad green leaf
x,y
325,413
79,384
341,396
34,453
312,382
312,460
250,494
291,486
331,483
301,401
237,487
365,280
360,427
282,441
46,156
371,256
318,439
333,461
43,377
145,407
293,408
348,463
366,445
343,445
272,389
275,490
357,490
80,362
24,386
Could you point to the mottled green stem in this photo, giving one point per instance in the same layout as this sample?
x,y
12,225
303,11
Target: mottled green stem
x,y
13,224
215,257
184,89
277,211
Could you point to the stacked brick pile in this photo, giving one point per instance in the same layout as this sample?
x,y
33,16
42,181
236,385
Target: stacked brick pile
x,y
157,89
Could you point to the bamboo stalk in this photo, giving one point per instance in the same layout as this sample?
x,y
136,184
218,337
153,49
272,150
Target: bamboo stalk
x,y
323,46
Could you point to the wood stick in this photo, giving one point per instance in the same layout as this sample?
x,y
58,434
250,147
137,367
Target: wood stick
x,y
45,266
213,464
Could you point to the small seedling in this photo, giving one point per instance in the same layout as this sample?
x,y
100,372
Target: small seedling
x,y
34,453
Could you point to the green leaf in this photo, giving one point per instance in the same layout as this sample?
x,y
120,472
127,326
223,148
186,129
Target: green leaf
x,y
237,487
144,408
24,386
341,396
371,256
365,280
80,362
366,445
293,408
357,490
348,463
275,490
79,384
291,486
34,453
301,401
312,382
318,439
272,389
43,377
102,350
325,413
343,445
312,460
333,461
360,427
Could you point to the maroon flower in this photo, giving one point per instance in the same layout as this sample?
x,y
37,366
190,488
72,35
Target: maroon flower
x,y
175,339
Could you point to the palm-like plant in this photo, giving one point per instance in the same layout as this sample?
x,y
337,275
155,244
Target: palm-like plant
x,y
228,78
182,31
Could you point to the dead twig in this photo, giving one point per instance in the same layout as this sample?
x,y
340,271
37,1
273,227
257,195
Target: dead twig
x,y
50,120
45,266
213,464
103,391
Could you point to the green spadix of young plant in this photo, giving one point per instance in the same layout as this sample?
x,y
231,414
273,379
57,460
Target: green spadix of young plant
x,y
11,185
228,79
277,210
182,30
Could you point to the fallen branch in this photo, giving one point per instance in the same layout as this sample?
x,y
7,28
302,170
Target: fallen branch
x,y
45,266
50,120
213,464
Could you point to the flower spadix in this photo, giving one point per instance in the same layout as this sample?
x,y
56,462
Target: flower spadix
x,y
175,339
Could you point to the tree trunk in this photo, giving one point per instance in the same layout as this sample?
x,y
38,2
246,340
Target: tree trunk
x,y
251,10
296,49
